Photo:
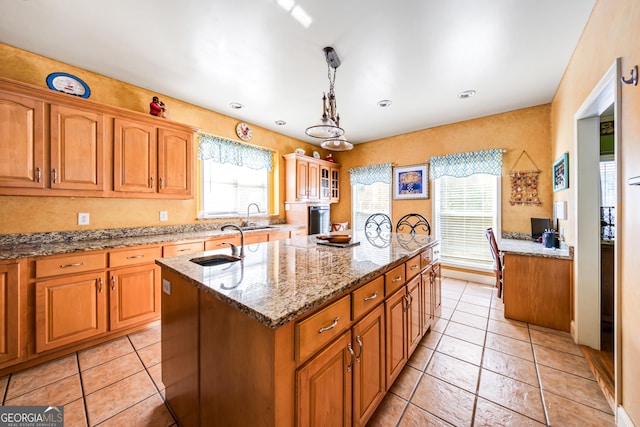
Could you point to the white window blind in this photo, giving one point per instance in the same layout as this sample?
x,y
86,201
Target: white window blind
x,y
368,199
464,208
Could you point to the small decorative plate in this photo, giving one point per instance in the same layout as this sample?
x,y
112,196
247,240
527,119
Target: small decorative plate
x,y
300,151
316,154
67,83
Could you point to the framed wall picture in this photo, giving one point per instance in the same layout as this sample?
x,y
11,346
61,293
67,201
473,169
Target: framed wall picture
x,y
561,173
411,182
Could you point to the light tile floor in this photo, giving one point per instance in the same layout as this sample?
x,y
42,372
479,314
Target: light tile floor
x,y
475,368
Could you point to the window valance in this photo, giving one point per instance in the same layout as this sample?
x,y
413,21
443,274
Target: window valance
x,y
462,165
222,150
367,175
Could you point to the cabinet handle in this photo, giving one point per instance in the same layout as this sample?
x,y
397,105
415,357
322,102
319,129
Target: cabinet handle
x,y
359,341
327,328
113,283
372,297
38,174
55,176
151,180
397,279
414,267
183,250
405,304
159,182
135,256
77,264
350,365
100,284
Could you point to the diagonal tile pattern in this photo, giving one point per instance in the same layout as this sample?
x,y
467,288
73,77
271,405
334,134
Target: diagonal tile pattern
x,y
475,368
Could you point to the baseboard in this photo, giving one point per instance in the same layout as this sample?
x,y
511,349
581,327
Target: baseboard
x,y
469,276
623,419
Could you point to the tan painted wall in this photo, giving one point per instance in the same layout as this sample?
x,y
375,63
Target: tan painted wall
x,y
41,214
613,31
527,129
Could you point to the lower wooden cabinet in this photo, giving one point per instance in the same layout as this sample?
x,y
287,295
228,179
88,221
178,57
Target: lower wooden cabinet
x,y
369,365
12,313
134,295
70,309
324,386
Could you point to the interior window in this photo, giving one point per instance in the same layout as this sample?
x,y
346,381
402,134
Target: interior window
x,y
464,208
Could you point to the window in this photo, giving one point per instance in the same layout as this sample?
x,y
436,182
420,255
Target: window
x,y
466,203
607,198
233,176
464,209
370,193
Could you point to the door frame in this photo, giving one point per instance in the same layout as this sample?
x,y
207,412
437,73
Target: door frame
x,y
585,328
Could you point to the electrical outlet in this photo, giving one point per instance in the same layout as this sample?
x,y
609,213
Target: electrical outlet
x,y
83,218
164,216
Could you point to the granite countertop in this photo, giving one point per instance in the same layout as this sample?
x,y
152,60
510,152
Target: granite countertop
x,y
531,248
279,281
44,244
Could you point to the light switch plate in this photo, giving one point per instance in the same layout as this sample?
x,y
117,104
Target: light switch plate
x,y
164,216
83,218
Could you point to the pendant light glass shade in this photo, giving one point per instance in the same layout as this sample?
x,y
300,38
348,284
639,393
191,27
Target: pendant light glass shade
x,y
337,144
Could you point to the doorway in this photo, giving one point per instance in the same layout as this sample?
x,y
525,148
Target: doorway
x,y
587,326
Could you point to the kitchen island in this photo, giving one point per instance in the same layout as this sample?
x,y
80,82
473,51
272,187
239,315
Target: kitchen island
x,y
296,333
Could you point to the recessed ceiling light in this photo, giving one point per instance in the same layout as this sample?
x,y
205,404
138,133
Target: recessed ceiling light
x,y
281,122
384,103
466,94
236,105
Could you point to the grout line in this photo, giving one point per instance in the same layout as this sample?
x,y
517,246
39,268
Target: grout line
x,y
84,400
535,363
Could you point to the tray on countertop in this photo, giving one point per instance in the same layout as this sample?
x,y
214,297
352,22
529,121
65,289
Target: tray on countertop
x,y
337,245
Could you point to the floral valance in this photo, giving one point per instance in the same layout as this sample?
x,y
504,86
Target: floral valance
x,y
367,175
461,165
222,150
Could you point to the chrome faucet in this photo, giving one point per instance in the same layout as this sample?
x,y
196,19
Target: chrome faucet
x,y
224,227
248,209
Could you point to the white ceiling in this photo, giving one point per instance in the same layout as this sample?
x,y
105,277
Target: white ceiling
x,y
418,53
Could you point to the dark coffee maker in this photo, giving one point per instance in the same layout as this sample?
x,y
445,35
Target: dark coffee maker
x,y
550,239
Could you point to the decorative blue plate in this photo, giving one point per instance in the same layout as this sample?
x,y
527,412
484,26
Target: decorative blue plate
x,y
67,83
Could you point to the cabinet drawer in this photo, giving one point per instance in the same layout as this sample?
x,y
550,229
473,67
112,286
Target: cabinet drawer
x,y
367,297
413,267
319,329
70,264
426,257
217,243
251,238
278,235
182,249
393,279
134,256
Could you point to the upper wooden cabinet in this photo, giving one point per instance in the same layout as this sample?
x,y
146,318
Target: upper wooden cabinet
x,y
60,145
311,179
21,141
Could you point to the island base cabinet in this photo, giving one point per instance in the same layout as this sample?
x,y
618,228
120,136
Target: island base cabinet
x,y
179,349
324,386
368,368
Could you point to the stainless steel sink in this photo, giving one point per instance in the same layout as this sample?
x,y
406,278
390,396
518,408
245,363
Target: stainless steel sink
x,y
212,260
257,227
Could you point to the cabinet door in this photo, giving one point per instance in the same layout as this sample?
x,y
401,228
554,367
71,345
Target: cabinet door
x,y
396,336
70,309
313,181
426,300
134,295
325,192
324,386
175,162
77,149
414,323
134,157
335,185
368,368
21,142
12,307
302,180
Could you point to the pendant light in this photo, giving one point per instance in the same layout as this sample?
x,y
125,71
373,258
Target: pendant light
x,y
328,128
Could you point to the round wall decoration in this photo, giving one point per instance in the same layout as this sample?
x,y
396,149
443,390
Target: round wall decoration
x,y
67,83
244,131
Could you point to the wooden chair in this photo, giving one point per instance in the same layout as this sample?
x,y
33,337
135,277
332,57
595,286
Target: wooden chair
x,y
497,259
414,224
